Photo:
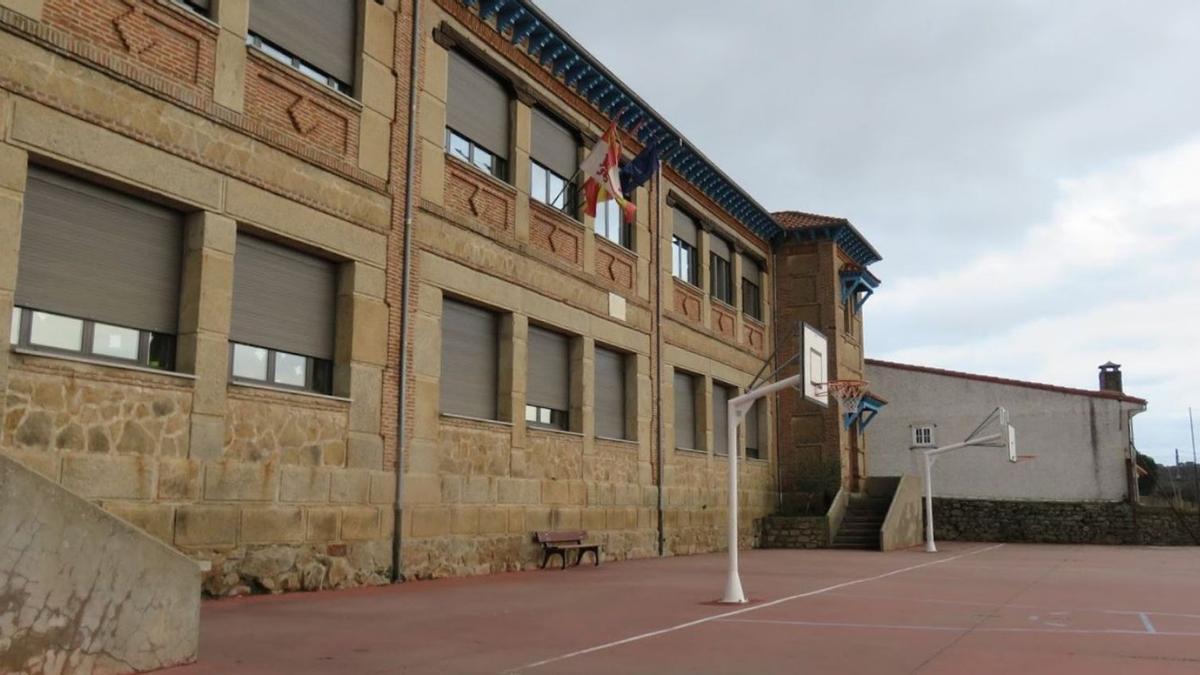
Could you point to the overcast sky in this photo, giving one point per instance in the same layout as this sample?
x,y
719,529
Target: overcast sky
x,y
1029,170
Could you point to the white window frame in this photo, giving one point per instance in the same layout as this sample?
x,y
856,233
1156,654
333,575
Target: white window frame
x,y
917,429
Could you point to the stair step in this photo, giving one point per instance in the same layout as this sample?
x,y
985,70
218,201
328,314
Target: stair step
x,y
856,547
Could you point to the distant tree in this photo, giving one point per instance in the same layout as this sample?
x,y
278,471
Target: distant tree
x,y
1147,482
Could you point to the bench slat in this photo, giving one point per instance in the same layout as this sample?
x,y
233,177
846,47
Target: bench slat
x,y
547,537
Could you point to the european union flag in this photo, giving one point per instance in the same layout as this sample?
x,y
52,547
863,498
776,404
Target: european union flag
x,y
638,171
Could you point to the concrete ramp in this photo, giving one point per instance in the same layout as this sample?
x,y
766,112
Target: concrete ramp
x,y
82,591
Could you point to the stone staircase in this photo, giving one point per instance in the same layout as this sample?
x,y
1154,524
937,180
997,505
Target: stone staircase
x,y
861,525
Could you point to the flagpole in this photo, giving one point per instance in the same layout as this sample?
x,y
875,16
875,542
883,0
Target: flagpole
x,y
565,185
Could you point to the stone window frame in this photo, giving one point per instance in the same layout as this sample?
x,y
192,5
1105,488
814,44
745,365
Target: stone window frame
x,y
499,165
568,195
721,269
22,325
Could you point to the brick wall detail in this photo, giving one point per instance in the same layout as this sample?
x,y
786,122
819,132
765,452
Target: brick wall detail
x,y
688,301
753,334
615,266
290,104
556,234
724,322
479,197
181,48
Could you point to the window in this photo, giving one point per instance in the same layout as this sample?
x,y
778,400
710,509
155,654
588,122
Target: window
x,y
548,399
284,30
200,7
477,117
683,248
280,369
720,411
922,436
93,339
720,270
470,152
610,394
554,159
685,410
753,423
848,315
751,288
610,224
283,316
98,273
470,360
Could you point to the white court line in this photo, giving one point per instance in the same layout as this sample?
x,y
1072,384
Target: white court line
x,y
1146,622
715,617
1014,606
961,629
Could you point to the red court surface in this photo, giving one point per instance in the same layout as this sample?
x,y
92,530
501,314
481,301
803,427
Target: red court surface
x,y
971,608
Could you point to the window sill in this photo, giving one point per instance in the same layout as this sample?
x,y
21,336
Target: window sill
x,y
191,14
467,418
755,320
622,441
555,212
618,246
757,460
498,182
26,351
562,432
721,304
688,285
291,392
692,451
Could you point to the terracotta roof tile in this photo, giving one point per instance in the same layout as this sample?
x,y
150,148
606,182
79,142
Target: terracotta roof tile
x,y
799,220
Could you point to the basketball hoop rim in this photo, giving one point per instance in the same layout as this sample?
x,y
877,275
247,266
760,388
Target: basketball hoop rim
x,y
848,393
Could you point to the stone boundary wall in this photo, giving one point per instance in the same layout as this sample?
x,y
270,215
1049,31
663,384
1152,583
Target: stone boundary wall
x,y
1058,523
795,532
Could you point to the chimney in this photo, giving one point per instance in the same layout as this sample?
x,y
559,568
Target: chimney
x,y
1110,377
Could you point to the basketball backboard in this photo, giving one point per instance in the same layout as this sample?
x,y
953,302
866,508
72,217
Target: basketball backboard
x,y
814,360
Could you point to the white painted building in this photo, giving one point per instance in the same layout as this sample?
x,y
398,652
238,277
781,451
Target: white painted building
x,y
1081,439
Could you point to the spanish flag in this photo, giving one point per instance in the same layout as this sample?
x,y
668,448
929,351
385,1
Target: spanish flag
x,y
601,171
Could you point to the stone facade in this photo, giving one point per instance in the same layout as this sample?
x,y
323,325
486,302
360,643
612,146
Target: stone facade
x,y
274,490
818,454
1060,523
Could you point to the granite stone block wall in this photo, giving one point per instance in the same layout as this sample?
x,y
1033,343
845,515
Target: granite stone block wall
x,y
1060,523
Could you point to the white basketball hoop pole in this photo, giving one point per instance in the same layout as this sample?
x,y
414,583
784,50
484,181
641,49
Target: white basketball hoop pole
x,y
930,456
738,407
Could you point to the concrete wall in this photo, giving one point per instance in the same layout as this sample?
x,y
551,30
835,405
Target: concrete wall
x,y
82,591
277,489
903,525
1081,442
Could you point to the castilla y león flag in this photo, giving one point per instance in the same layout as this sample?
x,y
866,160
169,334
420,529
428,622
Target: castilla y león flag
x,y
601,171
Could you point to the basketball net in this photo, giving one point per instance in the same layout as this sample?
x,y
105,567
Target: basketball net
x,y
848,393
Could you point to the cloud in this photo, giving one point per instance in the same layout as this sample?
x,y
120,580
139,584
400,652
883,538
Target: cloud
x,y
1110,276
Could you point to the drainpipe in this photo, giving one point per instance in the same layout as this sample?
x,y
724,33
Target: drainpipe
x,y
778,409
656,261
405,285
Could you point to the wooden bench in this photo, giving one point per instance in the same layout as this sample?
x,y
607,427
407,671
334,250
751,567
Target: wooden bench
x,y
559,543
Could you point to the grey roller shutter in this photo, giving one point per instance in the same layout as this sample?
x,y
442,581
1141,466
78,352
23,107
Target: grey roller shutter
x,y
753,449
685,228
470,360
321,32
549,369
685,410
94,253
610,393
720,411
283,299
720,248
477,105
554,146
751,271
